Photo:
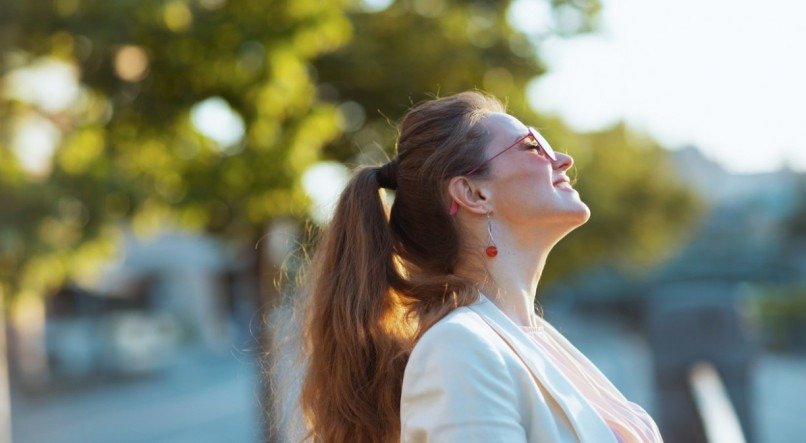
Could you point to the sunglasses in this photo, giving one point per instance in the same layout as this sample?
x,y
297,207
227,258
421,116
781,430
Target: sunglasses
x,y
532,135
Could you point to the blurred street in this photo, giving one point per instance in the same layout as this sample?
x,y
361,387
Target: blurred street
x,y
208,397
203,397
781,387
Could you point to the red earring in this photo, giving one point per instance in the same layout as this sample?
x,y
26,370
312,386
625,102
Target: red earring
x,y
491,250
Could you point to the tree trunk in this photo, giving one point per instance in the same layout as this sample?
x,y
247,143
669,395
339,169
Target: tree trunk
x,y
270,251
266,270
5,399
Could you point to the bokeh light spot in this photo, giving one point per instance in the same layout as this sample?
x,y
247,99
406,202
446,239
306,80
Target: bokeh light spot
x,y
530,16
353,116
375,5
215,119
35,140
48,83
177,16
131,63
323,182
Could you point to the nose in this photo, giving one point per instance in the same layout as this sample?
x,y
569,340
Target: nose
x,y
564,161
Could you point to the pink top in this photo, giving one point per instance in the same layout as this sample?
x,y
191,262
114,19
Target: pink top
x,y
629,421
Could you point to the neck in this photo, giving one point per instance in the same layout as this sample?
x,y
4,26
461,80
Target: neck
x,y
515,272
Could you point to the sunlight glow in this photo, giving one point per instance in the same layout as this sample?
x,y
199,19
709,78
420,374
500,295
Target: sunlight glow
x,y
727,79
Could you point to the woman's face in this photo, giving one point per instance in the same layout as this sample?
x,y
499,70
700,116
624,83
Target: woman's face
x,y
527,188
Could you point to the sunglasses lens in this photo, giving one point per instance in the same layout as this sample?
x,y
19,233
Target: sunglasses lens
x,y
543,144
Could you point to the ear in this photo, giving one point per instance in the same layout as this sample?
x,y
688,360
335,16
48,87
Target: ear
x,y
469,195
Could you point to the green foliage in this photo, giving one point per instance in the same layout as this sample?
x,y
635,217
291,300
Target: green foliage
x,y
309,81
781,312
418,49
128,148
640,211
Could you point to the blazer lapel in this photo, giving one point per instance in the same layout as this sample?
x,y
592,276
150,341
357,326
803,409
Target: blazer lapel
x,y
586,423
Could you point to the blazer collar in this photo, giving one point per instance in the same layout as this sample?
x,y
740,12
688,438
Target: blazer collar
x,y
586,423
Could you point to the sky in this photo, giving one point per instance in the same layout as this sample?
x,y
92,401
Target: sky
x,y
726,76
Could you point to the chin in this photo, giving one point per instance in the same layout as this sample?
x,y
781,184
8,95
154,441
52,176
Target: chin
x,y
584,212
577,215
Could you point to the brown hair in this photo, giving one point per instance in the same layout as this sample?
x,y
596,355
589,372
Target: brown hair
x,y
379,282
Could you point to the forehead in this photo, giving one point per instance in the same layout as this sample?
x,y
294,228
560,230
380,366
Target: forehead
x,y
503,128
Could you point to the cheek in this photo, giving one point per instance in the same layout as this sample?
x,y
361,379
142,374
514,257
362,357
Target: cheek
x,y
533,173
528,185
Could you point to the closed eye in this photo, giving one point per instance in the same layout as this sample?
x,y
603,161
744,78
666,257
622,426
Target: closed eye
x,y
533,144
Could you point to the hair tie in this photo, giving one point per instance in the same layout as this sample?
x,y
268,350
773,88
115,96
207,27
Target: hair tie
x,y
387,175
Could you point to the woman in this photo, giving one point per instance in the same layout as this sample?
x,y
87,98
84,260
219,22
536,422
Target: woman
x,y
421,324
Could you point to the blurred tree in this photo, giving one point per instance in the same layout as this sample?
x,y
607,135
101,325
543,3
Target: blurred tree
x,y
203,112
795,226
640,211
199,113
416,49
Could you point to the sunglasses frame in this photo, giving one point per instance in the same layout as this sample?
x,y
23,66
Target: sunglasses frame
x,y
532,132
539,139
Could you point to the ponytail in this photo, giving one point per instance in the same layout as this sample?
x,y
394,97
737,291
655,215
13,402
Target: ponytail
x,y
377,285
352,330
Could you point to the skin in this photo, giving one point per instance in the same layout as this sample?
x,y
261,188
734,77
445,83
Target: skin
x,y
528,212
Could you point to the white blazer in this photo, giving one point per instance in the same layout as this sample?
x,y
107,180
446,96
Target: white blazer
x,y
475,376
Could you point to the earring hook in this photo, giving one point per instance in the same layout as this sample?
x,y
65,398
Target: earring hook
x,y
491,250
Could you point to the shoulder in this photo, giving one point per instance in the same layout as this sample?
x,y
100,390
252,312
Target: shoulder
x,y
459,339
460,324
458,385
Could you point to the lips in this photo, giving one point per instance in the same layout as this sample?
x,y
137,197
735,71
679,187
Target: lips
x,y
562,179
564,184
